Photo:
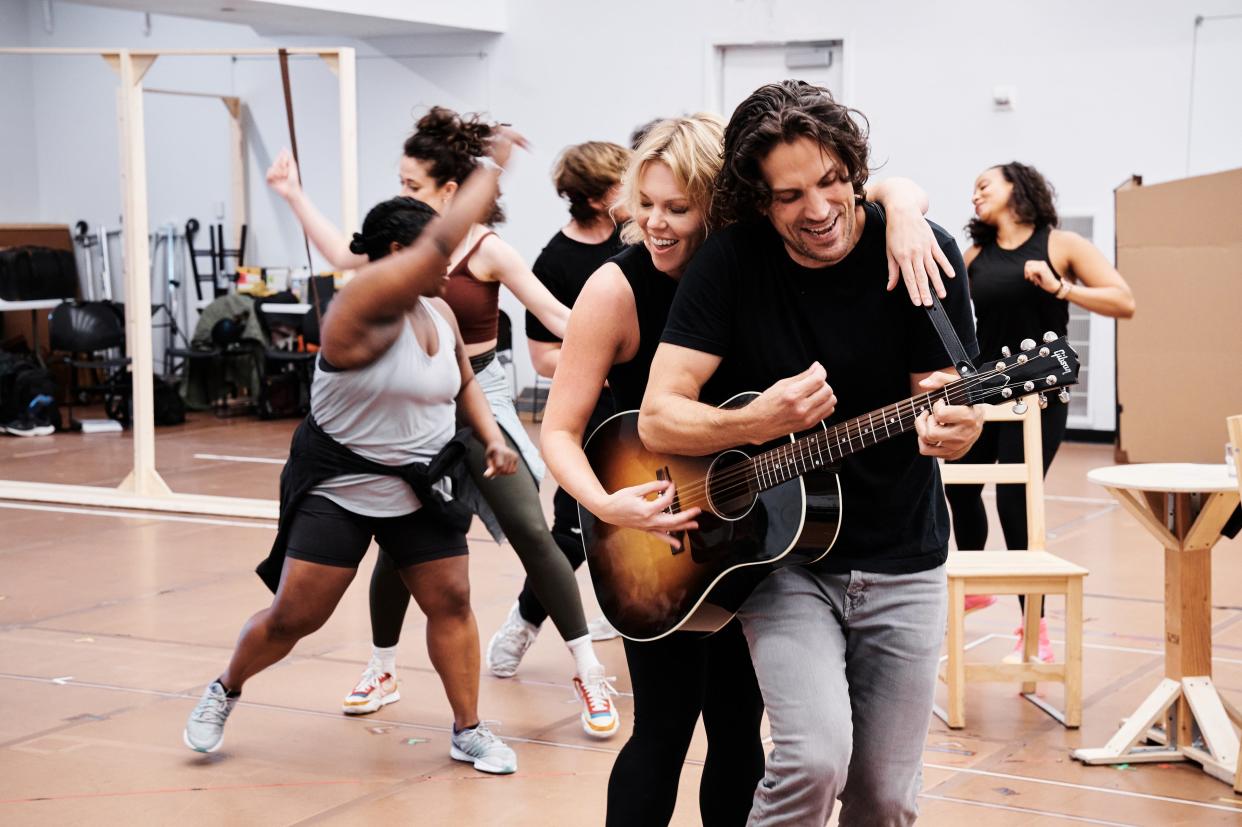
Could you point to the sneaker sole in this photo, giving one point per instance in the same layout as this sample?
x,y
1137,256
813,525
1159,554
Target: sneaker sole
x,y
479,763
596,732
36,432
371,706
185,737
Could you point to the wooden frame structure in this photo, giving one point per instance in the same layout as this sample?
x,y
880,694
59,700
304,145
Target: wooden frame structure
x,y
143,488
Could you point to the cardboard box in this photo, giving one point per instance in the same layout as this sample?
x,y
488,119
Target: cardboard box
x,y
1179,360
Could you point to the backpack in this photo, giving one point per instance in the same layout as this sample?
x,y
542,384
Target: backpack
x,y
30,272
22,379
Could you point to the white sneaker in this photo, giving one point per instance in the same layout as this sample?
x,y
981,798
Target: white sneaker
x,y
204,731
480,747
376,688
601,629
509,644
599,716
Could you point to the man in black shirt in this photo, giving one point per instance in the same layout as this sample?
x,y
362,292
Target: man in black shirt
x,y
791,297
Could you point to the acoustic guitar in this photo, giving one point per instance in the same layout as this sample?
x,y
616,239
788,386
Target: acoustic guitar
x,y
763,507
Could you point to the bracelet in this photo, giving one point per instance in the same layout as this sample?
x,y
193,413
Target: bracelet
x,y
1064,289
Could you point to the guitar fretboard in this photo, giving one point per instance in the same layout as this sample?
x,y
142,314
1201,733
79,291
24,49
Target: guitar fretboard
x,y
823,448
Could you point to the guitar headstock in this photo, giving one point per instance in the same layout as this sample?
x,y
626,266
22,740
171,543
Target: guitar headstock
x,y
1048,367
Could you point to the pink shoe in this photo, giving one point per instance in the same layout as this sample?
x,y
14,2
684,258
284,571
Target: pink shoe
x,y
1045,652
975,602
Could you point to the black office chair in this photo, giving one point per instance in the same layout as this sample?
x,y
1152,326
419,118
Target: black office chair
x,y
92,335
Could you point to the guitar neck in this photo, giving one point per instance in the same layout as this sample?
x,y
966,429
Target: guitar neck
x,y
829,446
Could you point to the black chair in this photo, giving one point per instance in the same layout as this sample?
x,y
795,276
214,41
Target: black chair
x,y
92,335
288,372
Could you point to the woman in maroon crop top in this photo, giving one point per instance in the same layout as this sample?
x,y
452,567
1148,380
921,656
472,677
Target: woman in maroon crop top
x,y
440,154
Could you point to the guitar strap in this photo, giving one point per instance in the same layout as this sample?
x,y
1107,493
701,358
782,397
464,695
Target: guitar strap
x,y
948,336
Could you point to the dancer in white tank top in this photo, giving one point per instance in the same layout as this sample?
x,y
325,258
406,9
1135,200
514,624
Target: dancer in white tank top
x,y
391,379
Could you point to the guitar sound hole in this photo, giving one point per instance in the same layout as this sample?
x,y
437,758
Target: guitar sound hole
x,y
730,490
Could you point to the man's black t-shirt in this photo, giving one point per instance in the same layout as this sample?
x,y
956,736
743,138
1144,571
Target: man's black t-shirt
x,y
744,299
564,266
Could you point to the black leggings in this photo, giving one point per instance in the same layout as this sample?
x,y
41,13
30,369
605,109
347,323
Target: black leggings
x,y
674,679
515,501
568,538
1002,442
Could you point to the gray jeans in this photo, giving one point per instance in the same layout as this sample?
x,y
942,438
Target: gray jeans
x,y
847,666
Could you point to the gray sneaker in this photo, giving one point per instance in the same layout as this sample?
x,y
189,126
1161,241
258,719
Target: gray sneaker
x,y
204,732
483,749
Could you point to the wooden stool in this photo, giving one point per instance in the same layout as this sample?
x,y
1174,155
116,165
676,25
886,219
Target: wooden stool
x,y
1033,574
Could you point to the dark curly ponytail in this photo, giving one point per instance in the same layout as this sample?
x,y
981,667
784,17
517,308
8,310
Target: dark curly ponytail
x,y
398,219
451,144
1031,201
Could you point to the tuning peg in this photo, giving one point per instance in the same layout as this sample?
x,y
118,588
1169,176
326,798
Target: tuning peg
x,y
1006,352
1043,401
1049,337
1019,407
1043,351
1028,386
1022,357
1006,392
1000,365
1027,344
1050,380
1063,395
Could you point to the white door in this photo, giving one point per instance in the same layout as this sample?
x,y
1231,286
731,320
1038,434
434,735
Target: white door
x,y
742,69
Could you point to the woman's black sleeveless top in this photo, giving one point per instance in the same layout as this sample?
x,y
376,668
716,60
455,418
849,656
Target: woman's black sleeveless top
x,y
1008,308
653,296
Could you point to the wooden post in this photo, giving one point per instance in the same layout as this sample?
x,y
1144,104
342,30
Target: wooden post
x,y
237,161
345,66
143,479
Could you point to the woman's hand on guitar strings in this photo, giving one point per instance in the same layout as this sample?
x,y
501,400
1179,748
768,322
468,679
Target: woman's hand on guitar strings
x,y
632,508
947,431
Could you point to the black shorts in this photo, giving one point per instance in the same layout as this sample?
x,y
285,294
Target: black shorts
x,y
324,532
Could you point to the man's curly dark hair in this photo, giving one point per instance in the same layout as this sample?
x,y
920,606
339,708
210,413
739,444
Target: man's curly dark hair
x,y
1031,201
781,113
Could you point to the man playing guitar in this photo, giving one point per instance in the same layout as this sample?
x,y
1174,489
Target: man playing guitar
x,y
790,297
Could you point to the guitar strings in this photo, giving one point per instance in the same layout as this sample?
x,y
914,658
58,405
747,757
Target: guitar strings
x,y
737,480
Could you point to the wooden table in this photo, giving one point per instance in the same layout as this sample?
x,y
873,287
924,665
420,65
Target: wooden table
x,y
1184,506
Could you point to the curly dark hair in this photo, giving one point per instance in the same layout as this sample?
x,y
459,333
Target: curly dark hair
x,y
1031,201
399,219
779,113
451,144
586,172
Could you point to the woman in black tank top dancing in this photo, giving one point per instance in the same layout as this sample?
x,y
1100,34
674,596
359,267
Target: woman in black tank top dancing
x,y
1024,273
613,333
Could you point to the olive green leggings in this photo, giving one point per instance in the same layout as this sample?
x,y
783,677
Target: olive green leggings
x,y
515,501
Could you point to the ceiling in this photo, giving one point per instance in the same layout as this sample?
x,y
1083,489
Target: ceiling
x,y
357,18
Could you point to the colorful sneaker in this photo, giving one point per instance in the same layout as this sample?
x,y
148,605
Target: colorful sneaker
x,y
509,644
483,749
601,629
599,716
975,602
1045,652
204,731
376,688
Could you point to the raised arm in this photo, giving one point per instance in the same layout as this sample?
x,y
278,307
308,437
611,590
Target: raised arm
x,y
499,262
601,332
332,244
913,254
674,421
359,325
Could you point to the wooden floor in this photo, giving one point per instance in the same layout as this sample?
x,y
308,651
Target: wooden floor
x,y
111,623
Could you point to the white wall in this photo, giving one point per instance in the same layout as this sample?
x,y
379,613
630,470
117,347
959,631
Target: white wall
x,y
19,182
1102,92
